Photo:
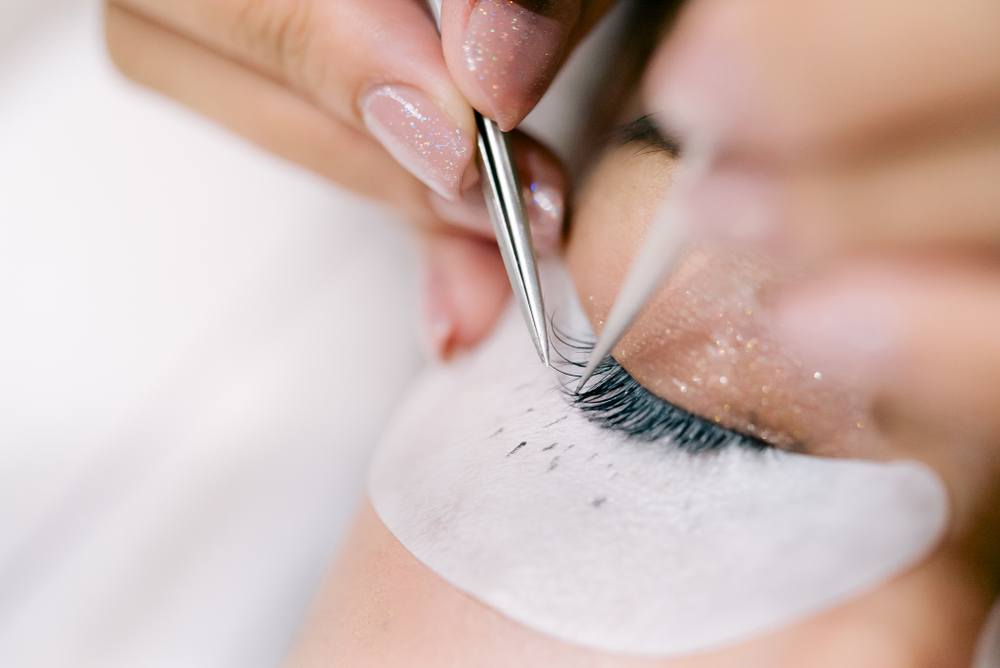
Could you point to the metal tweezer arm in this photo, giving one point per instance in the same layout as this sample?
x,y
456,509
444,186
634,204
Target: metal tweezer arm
x,y
502,190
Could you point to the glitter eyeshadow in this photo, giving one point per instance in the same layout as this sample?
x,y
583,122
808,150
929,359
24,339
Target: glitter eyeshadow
x,y
719,361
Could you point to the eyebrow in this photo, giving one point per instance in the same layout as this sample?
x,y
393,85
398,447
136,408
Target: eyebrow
x,y
645,131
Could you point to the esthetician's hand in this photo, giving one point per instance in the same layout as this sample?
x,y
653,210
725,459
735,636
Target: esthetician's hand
x,y
864,136
360,92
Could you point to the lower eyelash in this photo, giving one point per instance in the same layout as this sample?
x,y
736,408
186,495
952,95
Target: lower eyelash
x,y
616,401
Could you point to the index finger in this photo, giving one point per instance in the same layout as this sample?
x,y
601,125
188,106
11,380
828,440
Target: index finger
x,y
374,65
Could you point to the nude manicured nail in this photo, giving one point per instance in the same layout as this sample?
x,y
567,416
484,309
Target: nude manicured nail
x,y
546,210
513,49
419,135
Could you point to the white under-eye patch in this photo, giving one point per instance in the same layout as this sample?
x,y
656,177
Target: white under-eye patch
x,y
490,479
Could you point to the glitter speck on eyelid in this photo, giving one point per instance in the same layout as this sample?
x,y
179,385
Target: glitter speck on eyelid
x,y
723,380
818,376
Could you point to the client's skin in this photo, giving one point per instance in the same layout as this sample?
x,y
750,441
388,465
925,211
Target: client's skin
x,y
380,607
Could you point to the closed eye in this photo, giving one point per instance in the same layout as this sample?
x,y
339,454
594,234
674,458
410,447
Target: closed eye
x,y
616,401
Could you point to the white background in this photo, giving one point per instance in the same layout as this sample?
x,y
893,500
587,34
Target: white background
x,y
198,347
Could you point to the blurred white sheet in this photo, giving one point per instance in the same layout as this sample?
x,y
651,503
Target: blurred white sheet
x,y
198,345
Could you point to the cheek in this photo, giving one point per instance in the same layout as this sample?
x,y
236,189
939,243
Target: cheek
x,y
488,478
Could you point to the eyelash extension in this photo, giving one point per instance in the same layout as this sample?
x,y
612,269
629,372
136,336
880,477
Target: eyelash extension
x,y
614,400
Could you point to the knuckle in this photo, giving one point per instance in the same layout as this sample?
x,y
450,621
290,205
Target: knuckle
x,y
280,33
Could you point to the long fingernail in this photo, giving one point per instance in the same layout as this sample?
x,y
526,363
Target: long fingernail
x,y
513,49
546,201
439,321
422,137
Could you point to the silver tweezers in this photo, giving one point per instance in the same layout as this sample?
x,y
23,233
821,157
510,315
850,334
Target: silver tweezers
x,y
502,191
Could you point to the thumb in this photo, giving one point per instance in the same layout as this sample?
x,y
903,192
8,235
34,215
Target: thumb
x,y
504,54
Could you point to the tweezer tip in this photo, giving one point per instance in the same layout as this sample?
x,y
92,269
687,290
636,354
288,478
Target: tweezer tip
x,y
588,373
541,338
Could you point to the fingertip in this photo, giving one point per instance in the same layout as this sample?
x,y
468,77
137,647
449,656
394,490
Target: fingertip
x,y
503,55
466,290
546,191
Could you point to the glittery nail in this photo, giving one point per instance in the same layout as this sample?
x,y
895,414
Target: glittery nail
x,y
419,135
513,49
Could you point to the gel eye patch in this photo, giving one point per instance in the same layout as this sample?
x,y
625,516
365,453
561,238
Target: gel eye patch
x,y
494,482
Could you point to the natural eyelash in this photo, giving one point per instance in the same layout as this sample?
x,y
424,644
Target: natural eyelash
x,y
616,401
645,132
